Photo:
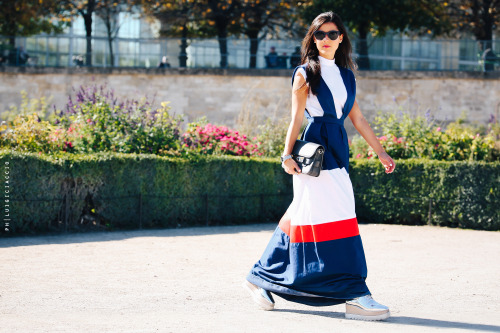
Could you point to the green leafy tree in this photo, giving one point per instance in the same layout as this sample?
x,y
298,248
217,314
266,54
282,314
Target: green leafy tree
x,y
178,18
84,8
263,16
28,17
377,17
480,17
108,11
224,16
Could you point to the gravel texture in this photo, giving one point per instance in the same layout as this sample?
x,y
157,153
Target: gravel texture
x,y
189,280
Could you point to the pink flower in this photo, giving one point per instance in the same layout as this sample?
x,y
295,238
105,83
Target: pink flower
x,y
89,120
383,138
358,156
438,129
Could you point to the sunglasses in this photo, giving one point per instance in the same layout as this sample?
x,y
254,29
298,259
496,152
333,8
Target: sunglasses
x,y
320,35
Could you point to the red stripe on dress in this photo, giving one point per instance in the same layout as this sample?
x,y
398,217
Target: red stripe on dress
x,y
319,232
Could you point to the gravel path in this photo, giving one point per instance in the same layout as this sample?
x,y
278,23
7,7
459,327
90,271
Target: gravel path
x,y
189,280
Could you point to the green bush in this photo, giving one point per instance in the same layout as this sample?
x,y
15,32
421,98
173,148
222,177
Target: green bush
x,y
101,191
404,136
29,133
455,194
272,135
115,191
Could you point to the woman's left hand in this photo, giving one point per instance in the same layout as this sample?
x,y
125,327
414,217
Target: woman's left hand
x,y
387,162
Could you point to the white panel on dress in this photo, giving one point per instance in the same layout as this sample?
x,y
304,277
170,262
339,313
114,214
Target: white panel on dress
x,y
323,199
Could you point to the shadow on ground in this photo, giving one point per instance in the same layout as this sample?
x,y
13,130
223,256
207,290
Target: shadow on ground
x,y
105,236
404,320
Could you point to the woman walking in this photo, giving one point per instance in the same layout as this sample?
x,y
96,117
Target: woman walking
x,y
315,255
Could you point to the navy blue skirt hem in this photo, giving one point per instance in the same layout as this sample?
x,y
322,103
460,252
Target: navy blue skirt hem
x,y
298,296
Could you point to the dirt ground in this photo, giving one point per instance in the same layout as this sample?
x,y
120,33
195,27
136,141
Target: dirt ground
x,y
189,280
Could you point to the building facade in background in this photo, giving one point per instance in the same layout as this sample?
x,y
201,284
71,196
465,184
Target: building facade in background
x,y
137,44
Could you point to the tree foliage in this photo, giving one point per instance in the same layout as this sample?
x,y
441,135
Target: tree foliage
x,y
377,17
178,18
106,9
209,18
480,17
261,17
223,15
109,12
28,17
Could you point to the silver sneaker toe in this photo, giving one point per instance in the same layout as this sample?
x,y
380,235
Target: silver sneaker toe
x,y
366,308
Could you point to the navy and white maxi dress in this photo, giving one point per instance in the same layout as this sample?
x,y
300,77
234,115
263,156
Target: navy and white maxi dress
x,y
315,255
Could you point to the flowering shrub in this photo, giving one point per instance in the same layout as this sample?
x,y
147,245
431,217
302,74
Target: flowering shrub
x,y
419,137
28,133
272,134
29,106
96,121
211,139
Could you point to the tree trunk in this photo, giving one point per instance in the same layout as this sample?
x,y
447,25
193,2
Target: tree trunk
x,y
110,40
183,54
223,50
254,47
486,37
222,38
87,18
111,54
363,60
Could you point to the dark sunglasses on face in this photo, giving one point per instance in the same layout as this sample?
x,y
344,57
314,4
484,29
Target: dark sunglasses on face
x,y
320,35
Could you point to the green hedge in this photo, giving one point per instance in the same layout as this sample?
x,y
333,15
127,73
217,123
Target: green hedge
x,y
101,191
455,194
107,191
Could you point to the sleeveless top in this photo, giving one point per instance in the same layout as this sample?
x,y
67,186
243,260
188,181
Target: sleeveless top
x,y
328,129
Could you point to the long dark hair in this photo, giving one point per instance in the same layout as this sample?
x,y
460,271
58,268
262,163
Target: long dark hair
x,y
310,52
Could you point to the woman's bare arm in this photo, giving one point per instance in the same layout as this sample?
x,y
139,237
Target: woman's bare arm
x,y
362,126
299,97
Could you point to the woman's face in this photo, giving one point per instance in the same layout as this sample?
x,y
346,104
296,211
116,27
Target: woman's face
x,y
326,46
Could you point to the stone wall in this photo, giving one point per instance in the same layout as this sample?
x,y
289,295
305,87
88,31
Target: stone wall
x,y
243,98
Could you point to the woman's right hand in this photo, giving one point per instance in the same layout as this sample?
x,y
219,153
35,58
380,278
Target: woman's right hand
x,y
291,167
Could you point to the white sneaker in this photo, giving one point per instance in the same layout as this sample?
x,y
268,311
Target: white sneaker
x,y
366,308
260,296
